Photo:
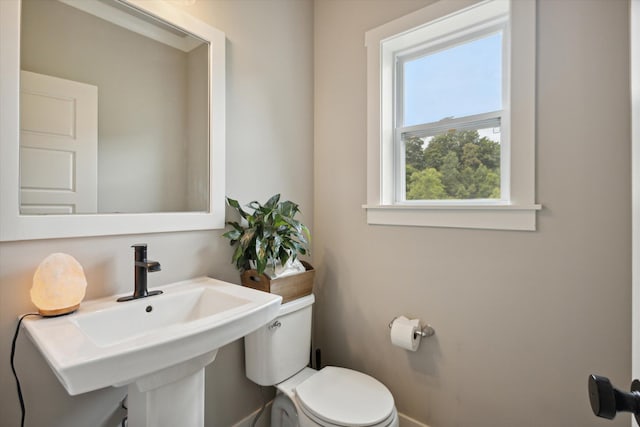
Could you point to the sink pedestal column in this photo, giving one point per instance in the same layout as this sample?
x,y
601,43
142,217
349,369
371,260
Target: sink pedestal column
x,y
171,397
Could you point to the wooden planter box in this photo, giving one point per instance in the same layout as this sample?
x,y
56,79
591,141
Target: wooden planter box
x,y
289,287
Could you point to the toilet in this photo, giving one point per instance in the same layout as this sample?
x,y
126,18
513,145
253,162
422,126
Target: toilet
x,y
277,355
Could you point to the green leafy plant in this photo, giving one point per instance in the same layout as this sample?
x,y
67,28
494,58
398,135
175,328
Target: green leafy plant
x,y
270,235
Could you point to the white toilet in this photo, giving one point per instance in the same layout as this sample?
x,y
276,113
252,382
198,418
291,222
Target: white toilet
x,y
278,353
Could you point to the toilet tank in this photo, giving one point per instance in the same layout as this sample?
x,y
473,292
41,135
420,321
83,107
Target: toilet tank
x,y
281,348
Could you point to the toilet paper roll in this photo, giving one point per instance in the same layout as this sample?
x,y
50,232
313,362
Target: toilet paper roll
x,y
403,333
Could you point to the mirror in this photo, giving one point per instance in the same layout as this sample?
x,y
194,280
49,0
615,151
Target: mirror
x,y
112,119
121,119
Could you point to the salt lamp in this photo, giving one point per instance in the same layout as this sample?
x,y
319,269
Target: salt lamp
x,y
59,285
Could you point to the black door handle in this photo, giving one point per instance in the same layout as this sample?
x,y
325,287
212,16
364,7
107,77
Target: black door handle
x,y
606,400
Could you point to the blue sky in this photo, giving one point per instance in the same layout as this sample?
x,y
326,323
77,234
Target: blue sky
x,y
456,82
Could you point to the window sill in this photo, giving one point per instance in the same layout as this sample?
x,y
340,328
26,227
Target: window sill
x,y
481,216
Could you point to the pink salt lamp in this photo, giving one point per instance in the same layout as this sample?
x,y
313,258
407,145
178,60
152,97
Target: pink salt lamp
x,y
59,285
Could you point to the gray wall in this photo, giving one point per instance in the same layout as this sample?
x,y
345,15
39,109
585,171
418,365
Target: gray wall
x,y
198,130
522,318
269,150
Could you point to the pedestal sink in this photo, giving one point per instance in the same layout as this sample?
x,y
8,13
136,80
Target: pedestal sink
x,y
158,346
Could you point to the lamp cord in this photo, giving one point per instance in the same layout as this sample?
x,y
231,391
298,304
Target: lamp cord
x,y
13,367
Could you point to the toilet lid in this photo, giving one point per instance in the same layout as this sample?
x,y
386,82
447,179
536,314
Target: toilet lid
x,y
345,397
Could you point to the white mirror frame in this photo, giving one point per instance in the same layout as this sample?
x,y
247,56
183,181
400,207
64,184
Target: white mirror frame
x,y
14,226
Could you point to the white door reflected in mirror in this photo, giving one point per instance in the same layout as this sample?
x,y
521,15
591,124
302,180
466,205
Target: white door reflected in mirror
x,y
58,145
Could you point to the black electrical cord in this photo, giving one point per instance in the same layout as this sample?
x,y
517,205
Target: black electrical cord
x,y
13,367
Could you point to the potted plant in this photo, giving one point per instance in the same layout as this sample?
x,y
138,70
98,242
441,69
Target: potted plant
x,y
267,243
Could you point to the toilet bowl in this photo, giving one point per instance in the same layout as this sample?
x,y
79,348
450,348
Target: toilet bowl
x,y
278,354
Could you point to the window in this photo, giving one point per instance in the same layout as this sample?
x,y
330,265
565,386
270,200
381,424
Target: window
x,y
451,117
448,113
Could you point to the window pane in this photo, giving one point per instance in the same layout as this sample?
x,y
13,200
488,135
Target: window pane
x,y
455,82
453,165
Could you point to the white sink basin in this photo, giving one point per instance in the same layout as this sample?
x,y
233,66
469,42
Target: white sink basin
x,y
108,343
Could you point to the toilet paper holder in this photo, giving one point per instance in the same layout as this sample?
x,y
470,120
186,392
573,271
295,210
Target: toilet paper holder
x,y
425,331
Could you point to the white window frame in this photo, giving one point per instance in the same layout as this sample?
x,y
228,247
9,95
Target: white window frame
x,y
516,209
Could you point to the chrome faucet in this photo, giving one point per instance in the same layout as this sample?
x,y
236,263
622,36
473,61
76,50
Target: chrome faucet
x,y
141,266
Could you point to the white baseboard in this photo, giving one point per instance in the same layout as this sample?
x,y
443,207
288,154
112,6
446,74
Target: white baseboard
x,y
406,421
265,419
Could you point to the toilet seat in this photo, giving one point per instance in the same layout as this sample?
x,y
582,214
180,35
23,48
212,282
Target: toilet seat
x,y
390,421
343,397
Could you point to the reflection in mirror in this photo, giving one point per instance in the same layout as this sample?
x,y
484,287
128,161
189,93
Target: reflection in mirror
x,y
111,120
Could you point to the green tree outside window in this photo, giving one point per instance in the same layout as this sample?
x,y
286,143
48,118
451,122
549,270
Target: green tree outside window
x,y
454,165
